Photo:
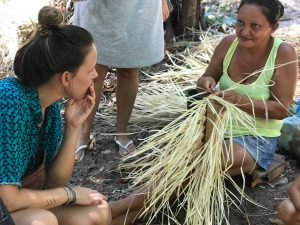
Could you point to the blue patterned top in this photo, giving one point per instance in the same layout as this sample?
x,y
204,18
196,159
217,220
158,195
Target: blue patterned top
x,y
20,116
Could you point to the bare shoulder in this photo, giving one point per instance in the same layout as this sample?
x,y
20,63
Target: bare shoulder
x,y
287,61
286,53
229,38
224,45
226,41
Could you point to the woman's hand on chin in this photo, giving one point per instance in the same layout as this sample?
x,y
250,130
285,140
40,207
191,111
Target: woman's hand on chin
x,y
78,110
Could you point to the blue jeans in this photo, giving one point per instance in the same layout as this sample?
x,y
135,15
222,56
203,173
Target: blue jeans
x,y
262,149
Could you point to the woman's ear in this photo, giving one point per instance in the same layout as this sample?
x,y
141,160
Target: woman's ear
x,y
274,27
66,79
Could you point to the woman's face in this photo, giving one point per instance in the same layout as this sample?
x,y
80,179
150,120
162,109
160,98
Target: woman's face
x,y
252,27
85,75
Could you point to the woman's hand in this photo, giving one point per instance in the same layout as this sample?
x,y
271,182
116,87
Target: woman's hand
x,y
230,96
165,10
206,83
87,196
77,111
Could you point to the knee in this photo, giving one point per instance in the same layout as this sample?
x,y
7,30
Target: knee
x,y
35,217
46,218
101,215
287,213
128,73
226,163
91,215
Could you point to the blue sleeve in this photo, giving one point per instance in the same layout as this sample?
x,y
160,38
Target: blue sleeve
x,y
13,156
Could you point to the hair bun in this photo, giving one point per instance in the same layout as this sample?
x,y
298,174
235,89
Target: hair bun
x,y
50,16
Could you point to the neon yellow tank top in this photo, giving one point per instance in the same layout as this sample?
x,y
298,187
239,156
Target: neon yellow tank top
x,y
258,90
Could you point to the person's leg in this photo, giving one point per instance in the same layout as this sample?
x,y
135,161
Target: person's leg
x,y
127,218
130,203
240,159
79,215
288,214
126,210
34,217
84,135
127,87
169,33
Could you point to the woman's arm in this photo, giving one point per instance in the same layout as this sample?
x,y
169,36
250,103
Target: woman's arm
x,y
285,81
214,70
282,88
16,198
76,113
60,171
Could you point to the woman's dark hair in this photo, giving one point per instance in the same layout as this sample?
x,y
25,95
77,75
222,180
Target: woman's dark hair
x,y
54,49
272,9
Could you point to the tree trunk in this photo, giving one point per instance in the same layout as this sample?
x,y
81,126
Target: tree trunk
x,y
188,17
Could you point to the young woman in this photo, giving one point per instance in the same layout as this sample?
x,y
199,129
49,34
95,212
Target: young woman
x,y
264,71
266,95
36,157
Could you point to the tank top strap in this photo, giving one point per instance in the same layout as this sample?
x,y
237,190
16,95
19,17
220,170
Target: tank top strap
x,y
229,55
268,70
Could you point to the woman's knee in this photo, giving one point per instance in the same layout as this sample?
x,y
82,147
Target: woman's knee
x,y
127,73
237,158
34,217
102,215
95,215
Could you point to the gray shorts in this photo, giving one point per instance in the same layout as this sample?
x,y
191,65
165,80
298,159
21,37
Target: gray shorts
x,y
262,149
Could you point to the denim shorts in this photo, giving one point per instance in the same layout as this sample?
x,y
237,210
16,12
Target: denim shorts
x,y
262,149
